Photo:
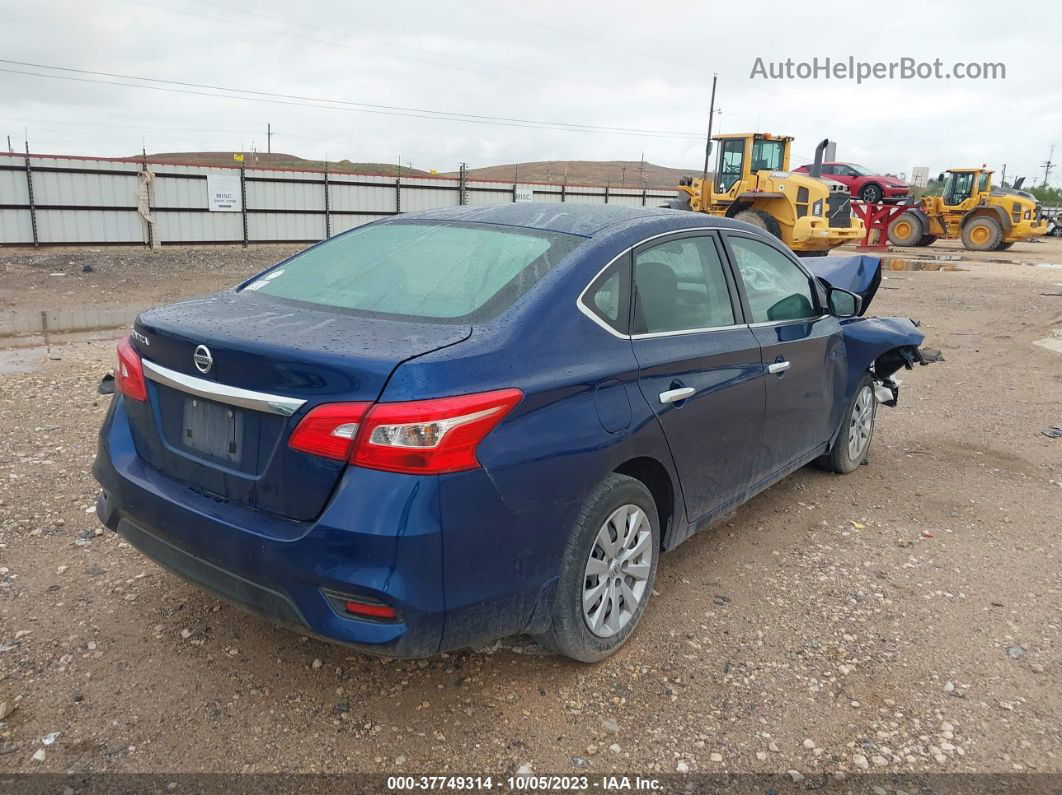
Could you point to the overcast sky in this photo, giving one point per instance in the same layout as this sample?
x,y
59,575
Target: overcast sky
x,y
634,65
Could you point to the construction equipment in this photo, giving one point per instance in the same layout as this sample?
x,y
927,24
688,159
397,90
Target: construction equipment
x,y
986,219
753,183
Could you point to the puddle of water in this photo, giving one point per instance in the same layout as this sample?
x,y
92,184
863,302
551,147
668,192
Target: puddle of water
x,y
900,264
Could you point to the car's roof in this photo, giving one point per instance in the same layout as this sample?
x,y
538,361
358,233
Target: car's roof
x,y
576,219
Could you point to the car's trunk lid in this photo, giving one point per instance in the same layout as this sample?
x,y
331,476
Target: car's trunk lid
x,y
267,362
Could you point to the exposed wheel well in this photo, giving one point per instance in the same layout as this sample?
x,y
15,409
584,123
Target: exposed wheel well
x,y
655,477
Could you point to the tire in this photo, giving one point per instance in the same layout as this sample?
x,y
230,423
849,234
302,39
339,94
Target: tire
x,y
813,253
907,230
871,193
846,455
982,234
1004,246
761,218
927,240
571,632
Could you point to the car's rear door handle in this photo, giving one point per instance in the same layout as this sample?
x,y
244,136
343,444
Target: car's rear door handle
x,y
777,367
673,395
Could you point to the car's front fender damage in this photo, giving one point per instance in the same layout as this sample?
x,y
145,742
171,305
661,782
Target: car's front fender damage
x,y
881,346
878,345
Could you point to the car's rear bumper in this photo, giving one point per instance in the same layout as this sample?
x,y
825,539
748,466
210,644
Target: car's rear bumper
x,y
381,537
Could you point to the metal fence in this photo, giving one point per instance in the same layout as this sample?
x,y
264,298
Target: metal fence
x,y
51,200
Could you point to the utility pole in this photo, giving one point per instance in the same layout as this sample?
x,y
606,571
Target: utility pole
x,y
9,149
269,138
708,143
623,175
1048,165
1003,179
641,171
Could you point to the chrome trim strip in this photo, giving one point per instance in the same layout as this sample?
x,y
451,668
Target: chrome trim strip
x,y
211,390
653,334
767,323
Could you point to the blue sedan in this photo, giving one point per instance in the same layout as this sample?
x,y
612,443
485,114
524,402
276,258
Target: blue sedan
x,y
452,426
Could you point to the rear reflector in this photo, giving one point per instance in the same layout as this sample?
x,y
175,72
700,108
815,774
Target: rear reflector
x,y
425,437
129,373
364,610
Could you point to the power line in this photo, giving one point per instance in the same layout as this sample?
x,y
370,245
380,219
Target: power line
x,y
304,101
485,68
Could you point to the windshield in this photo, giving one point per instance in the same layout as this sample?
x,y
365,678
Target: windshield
x,y
442,271
861,171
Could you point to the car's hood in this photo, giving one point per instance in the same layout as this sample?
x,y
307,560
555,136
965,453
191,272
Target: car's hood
x,y
859,274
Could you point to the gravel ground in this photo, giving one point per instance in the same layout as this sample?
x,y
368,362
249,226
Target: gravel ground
x,y
902,618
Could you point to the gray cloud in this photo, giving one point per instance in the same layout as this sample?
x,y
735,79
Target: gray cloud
x,y
619,64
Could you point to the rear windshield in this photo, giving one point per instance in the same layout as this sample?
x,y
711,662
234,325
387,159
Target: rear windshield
x,y
441,271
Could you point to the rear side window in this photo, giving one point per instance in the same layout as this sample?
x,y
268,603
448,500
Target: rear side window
x,y
607,298
439,271
680,286
776,288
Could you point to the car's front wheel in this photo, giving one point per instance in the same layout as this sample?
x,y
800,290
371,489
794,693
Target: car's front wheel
x,y
871,193
607,571
857,429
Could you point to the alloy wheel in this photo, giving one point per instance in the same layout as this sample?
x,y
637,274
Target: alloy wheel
x,y
861,423
617,571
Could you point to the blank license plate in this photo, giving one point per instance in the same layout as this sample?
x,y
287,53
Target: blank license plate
x,y
213,429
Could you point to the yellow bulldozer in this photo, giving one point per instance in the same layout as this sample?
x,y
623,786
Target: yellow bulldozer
x,y
985,219
753,183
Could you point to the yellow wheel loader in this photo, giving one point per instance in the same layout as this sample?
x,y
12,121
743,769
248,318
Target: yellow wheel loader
x,y
753,183
970,210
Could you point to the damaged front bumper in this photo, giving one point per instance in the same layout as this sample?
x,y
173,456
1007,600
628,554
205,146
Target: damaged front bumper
x,y
882,346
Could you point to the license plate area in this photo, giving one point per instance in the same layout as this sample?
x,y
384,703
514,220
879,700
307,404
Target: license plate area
x,y
213,429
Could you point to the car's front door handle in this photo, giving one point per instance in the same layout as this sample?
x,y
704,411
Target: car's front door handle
x,y
777,367
673,395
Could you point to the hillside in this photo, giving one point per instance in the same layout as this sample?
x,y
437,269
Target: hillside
x,y
627,173
585,172
278,160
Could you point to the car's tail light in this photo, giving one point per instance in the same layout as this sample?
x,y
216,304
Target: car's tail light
x,y
426,437
129,373
329,430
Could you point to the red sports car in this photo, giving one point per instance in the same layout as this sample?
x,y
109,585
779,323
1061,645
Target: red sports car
x,y
864,183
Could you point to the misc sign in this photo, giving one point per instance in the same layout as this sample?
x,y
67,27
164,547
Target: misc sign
x,y
523,193
223,193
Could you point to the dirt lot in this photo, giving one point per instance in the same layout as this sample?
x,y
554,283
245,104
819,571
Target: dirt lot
x,y
902,618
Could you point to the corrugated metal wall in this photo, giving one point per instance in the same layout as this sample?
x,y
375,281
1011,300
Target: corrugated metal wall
x,y
70,201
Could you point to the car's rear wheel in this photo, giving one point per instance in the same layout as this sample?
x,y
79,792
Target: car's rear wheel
x,y
607,571
871,193
857,429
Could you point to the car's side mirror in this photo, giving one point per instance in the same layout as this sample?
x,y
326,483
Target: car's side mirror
x,y
843,303
940,177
